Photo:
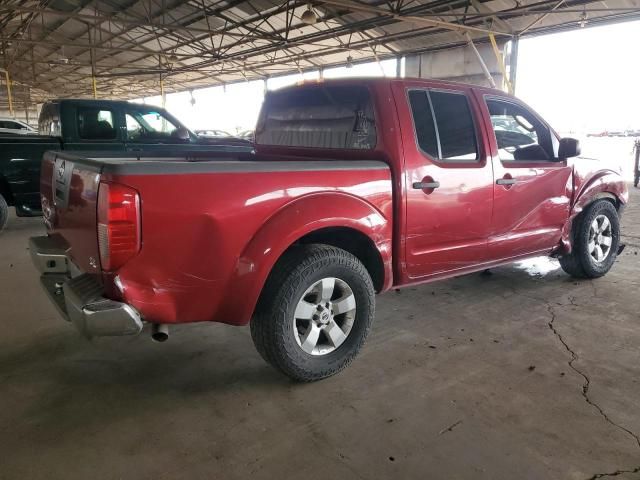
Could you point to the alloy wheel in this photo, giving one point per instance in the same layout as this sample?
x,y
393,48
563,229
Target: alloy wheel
x,y
600,238
324,316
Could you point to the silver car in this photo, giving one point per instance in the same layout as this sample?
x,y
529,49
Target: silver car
x,y
11,125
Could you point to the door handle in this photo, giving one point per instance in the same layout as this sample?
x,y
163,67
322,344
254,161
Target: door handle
x,y
506,181
426,185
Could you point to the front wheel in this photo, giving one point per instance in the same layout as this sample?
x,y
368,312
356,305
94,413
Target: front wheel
x,y
596,242
314,313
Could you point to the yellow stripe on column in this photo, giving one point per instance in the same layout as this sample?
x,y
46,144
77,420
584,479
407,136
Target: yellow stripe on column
x,y
503,69
8,80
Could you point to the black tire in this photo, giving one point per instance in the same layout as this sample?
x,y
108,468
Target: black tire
x,y
4,213
272,326
572,266
581,263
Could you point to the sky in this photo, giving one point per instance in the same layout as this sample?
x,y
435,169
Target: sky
x,y
583,81
587,80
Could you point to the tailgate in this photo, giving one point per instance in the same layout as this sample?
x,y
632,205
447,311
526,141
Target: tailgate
x,y
69,188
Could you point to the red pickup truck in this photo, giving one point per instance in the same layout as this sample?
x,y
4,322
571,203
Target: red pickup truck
x,y
355,187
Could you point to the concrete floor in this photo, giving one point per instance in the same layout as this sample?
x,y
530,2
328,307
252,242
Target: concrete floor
x,y
521,374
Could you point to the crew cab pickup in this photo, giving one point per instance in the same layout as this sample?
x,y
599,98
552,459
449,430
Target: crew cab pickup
x,y
96,125
355,187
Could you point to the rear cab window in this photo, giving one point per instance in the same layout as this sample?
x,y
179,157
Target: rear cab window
x,y
49,120
335,116
444,125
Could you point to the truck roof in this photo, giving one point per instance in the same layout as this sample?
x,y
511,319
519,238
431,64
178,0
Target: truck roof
x,y
94,101
426,82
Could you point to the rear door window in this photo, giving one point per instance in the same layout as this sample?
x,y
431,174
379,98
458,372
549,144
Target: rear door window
x,y
424,123
95,123
444,125
338,116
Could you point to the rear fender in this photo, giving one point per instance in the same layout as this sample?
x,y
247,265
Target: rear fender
x,y
292,222
605,185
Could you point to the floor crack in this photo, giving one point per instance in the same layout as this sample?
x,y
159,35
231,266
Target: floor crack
x,y
585,390
613,474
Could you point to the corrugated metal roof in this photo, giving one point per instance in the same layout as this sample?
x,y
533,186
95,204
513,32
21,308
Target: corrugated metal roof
x,y
54,46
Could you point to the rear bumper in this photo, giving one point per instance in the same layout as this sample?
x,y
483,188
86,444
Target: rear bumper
x,y
78,296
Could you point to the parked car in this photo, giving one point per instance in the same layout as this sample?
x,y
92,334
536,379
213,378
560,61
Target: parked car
x,y
97,125
213,133
11,125
617,133
246,134
355,187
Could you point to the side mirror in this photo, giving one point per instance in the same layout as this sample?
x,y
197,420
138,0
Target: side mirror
x,y
569,147
183,134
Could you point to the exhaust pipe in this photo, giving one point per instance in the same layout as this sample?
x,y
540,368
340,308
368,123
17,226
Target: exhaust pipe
x,y
159,332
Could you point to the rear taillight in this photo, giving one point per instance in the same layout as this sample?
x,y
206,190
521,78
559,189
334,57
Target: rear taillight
x,y
118,225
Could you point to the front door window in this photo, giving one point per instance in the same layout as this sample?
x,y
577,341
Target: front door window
x,y
149,126
520,136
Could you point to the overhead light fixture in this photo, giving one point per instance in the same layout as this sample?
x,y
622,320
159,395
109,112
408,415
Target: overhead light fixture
x,y
309,16
584,18
349,61
173,57
59,61
62,59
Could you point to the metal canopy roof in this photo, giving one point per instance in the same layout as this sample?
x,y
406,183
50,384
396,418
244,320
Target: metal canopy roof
x,y
52,48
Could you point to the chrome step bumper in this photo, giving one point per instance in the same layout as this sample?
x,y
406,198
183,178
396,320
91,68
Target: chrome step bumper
x,y
78,296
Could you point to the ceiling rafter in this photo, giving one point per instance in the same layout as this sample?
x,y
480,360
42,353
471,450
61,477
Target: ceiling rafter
x,y
56,46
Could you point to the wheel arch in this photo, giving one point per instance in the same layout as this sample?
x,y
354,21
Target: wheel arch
x,y
336,219
353,241
614,192
5,191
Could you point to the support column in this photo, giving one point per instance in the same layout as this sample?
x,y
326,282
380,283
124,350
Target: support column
x,y
93,66
9,98
473,63
483,65
163,97
513,62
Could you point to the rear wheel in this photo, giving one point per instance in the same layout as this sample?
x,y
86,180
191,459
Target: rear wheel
x,y
4,212
596,242
314,313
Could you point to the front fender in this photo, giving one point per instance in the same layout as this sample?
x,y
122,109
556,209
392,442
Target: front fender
x,y
606,184
292,222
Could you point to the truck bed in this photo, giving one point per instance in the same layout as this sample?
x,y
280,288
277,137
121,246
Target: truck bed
x,y
209,222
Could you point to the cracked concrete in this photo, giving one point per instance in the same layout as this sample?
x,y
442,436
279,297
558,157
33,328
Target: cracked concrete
x,y
523,374
586,385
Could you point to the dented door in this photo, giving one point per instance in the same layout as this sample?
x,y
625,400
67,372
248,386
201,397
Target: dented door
x,y
532,187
